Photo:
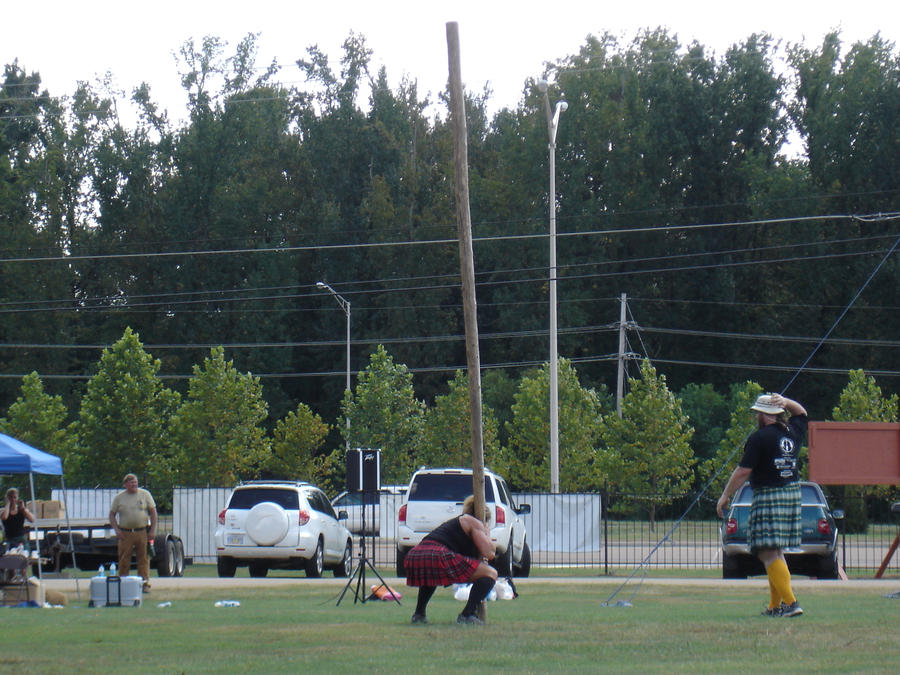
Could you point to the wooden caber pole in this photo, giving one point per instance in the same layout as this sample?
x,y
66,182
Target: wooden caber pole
x,y
467,265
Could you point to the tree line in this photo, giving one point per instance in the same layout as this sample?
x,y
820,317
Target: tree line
x,y
661,444
676,185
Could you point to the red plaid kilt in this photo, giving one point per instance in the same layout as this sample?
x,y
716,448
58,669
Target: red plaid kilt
x,y
432,564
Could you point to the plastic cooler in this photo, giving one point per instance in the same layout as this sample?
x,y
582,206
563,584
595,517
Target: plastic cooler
x,y
116,591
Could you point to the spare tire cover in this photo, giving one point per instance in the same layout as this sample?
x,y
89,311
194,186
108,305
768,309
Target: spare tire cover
x,y
267,523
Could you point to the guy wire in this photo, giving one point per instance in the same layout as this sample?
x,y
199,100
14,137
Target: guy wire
x,y
727,461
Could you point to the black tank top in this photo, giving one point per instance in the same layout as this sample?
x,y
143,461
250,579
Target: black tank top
x,y
452,535
14,525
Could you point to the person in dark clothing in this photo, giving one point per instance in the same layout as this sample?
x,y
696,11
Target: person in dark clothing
x,y
13,515
456,551
771,461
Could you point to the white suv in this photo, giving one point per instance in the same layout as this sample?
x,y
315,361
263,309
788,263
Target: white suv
x,y
436,495
284,525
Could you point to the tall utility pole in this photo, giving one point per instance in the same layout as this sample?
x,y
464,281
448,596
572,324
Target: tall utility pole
x,y
620,379
552,125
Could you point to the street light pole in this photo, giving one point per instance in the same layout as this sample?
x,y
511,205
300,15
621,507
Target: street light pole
x,y
553,114
345,305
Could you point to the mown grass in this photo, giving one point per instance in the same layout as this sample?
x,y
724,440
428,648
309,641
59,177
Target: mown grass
x,y
550,628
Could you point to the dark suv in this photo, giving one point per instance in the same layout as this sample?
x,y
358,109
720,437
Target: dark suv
x,y
817,554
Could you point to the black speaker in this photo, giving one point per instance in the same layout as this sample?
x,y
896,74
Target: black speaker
x,y
364,470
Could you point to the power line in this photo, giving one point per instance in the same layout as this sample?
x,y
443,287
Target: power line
x,y
509,364
118,303
873,217
505,335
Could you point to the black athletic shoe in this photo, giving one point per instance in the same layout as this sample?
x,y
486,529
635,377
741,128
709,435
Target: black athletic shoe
x,y
419,618
469,618
793,609
773,611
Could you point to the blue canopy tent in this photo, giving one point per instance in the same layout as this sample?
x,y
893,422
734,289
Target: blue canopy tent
x,y
17,457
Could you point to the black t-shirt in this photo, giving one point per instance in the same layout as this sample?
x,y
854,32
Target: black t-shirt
x,y
451,534
773,453
14,525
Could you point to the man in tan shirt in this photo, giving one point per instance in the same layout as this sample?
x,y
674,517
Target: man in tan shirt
x,y
129,514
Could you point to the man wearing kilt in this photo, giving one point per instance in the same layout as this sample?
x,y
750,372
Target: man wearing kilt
x,y
456,551
770,461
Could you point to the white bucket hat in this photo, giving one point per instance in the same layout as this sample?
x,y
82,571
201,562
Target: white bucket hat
x,y
765,405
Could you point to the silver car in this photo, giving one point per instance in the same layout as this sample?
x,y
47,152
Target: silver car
x,y
352,503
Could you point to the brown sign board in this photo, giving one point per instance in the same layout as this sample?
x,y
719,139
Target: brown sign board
x,y
854,453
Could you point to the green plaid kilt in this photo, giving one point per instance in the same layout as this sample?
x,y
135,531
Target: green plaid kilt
x,y
775,517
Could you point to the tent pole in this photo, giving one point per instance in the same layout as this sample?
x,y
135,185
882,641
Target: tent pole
x,y
37,543
62,481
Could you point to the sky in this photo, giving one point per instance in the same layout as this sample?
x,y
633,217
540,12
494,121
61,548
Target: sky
x,y
501,43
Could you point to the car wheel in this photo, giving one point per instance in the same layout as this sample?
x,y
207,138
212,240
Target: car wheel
x,y
732,568
316,564
401,557
258,570
344,568
225,567
827,567
524,567
503,563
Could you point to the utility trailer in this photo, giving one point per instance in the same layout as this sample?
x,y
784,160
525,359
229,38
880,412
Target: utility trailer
x,y
94,543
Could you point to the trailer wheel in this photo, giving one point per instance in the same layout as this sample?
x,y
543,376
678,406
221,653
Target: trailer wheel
x,y
165,556
179,557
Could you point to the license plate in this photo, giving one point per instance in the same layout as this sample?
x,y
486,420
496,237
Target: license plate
x,y
235,539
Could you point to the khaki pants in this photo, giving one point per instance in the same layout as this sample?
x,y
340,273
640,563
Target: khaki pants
x,y
137,542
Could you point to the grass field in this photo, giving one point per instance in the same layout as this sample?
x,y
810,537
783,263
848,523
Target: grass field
x,y
551,627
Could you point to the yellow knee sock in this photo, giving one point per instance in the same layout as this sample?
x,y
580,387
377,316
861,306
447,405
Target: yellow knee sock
x,y
780,577
774,595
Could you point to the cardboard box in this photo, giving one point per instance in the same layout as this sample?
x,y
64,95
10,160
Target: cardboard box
x,y
30,591
52,509
36,508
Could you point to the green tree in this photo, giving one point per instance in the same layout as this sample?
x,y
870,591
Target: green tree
x,y
240,179
384,413
648,450
34,205
708,412
218,430
845,110
498,391
39,419
863,401
123,418
731,448
525,462
447,438
296,441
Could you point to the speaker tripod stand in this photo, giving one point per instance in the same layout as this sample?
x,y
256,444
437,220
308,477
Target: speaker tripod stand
x,y
359,574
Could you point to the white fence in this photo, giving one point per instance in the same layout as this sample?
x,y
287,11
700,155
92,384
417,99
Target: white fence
x,y
562,524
